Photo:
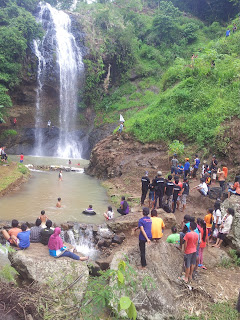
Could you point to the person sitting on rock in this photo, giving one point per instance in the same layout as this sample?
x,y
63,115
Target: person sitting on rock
x,y
224,227
174,237
57,250
124,207
43,219
11,234
235,189
35,232
109,214
202,187
157,225
59,205
46,233
24,237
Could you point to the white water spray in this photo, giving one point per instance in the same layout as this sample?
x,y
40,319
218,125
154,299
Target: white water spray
x,y
69,61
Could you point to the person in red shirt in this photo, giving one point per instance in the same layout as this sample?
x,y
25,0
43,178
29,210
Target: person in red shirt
x,y
21,157
204,237
190,252
11,235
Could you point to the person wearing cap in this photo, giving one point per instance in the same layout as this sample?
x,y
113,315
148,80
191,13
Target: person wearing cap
x,y
145,183
186,167
159,183
145,235
196,166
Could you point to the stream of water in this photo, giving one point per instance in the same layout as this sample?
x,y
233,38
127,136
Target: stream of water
x,y
77,191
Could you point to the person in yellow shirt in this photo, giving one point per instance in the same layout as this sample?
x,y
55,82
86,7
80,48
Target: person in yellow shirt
x,y
209,220
157,226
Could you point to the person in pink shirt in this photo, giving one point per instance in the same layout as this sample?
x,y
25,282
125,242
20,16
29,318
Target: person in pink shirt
x,y
190,252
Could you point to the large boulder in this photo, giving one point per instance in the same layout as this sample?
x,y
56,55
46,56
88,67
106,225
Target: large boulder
x,y
164,265
234,235
35,264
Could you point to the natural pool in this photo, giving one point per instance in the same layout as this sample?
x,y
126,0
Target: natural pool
x,y
77,191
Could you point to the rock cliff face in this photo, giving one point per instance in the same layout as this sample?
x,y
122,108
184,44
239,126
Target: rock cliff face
x,y
35,264
117,154
234,235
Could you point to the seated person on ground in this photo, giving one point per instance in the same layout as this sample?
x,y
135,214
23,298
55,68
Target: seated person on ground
x,y
24,237
35,232
124,207
157,225
202,187
43,219
234,189
11,235
180,168
46,233
56,248
174,237
109,214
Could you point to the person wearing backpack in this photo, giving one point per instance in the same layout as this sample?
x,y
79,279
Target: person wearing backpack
x,y
124,207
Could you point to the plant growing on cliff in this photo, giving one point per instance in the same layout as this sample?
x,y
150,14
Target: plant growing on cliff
x,y
111,290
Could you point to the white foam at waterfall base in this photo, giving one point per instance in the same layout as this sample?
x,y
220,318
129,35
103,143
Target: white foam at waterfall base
x,y
84,244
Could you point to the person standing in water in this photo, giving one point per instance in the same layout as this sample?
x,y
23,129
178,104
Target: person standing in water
x,y
60,176
59,204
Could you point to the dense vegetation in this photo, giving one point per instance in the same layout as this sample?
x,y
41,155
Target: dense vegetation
x,y
162,92
148,45
17,29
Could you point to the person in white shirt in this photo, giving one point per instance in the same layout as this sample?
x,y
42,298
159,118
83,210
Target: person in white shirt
x,y
109,214
202,187
224,227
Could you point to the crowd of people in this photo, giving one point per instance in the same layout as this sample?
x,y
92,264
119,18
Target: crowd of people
x,y
194,235
171,193
21,237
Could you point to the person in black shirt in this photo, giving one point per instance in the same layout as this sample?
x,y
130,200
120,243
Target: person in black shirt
x,y
185,193
176,190
46,233
145,183
169,191
151,188
159,183
213,168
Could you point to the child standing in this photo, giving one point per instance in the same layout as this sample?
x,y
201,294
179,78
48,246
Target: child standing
x,y
209,220
190,252
203,230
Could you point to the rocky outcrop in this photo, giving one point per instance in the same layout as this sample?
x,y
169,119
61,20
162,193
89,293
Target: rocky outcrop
x,y
116,154
234,235
35,264
130,220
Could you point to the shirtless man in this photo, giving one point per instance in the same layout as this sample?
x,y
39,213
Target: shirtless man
x,y
59,205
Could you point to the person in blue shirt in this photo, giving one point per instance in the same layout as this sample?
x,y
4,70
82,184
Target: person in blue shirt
x,y
186,168
196,166
145,235
228,33
24,237
180,168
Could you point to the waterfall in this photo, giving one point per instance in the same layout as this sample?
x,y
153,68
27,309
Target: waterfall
x,y
83,241
59,65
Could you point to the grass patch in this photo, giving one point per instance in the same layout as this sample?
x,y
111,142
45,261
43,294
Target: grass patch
x,y
11,173
217,311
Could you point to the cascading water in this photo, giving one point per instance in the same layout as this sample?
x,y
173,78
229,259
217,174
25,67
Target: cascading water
x,y
83,241
58,49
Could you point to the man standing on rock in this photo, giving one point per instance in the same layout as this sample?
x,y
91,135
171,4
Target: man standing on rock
x,y
159,183
145,235
145,183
